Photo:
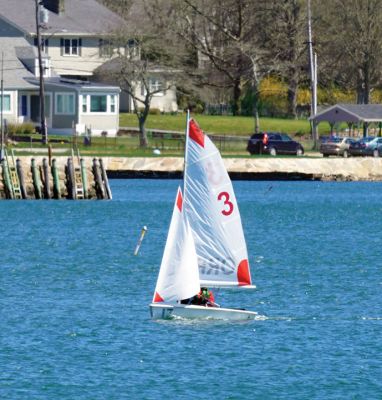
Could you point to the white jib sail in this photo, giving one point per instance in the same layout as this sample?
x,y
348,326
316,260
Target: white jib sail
x,y
178,275
213,214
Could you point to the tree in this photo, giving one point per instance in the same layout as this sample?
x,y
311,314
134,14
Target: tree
x,y
142,62
349,42
223,36
285,42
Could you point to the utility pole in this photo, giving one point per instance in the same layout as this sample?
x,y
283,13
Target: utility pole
x,y
2,108
313,78
43,128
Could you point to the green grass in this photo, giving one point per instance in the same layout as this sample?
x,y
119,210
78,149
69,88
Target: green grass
x,y
128,145
229,125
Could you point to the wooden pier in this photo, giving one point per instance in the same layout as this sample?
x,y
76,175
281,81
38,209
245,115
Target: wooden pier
x,y
39,178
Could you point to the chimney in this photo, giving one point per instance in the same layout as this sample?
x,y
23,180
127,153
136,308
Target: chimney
x,y
56,6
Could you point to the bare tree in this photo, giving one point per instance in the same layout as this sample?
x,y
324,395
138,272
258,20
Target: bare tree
x,y
222,35
349,41
145,62
285,40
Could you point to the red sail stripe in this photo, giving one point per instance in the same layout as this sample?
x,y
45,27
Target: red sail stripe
x,y
157,298
196,134
243,274
179,200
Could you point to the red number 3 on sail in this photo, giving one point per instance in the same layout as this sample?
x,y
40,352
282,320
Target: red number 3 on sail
x,y
229,204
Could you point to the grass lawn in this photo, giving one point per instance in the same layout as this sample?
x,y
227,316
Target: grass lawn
x,y
216,124
128,145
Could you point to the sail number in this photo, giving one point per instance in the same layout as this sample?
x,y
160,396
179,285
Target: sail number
x,y
228,204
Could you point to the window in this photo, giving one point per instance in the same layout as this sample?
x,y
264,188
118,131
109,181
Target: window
x,y
98,103
64,103
132,49
84,104
155,86
112,104
44,44
105,48
71,47
7,103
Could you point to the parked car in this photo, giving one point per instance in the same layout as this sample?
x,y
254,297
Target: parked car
x,y
273,143
358,147
336,146
374,147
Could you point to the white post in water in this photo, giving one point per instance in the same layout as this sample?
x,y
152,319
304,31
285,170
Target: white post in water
x,y
143,232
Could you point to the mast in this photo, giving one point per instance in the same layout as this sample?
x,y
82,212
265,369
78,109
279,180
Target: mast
x,y
313,77
186,156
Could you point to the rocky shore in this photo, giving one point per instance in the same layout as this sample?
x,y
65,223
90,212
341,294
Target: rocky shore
x,y
304,168
288,168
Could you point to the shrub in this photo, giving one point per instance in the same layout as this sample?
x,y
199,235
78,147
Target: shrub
x,y
17,129
154,111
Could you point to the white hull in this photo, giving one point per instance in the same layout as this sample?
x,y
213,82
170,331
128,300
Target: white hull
x,y
168,311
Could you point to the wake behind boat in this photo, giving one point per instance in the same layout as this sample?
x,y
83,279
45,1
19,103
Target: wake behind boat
x,y
205,245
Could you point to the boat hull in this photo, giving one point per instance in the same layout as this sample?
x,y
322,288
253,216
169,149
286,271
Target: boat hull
x,y
169,311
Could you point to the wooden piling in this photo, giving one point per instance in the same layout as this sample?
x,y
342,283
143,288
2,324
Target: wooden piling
x,y
36,179
56,181
98,180
70,181
105,180
20,174
45,168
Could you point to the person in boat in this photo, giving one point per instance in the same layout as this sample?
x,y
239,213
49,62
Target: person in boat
x,y
204,298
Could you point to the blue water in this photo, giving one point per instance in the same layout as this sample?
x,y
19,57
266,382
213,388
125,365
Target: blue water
x,y
73,299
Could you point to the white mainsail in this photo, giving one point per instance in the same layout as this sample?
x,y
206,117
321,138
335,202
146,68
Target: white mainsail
x,y
213,214
178,275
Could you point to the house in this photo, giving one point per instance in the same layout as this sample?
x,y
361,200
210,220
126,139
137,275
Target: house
x,y
70,100
74,44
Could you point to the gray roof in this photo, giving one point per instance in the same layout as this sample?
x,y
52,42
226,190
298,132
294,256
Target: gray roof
x,y
82,17
15,73
350,113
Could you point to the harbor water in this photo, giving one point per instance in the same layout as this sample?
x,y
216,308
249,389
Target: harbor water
x,y
74,314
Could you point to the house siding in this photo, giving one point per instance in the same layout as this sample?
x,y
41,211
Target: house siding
x,y
82,65
99,123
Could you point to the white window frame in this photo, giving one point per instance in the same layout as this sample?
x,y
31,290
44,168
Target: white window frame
x,y
65,94
10,94
111,100
154,84
70,54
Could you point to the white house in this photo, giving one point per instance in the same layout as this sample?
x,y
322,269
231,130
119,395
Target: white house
x,y
74,40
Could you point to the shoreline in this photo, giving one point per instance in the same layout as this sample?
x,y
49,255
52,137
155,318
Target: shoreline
x,y
293,168
309,169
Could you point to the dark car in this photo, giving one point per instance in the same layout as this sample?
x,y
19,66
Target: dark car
x,y
358,148
273,143
374,147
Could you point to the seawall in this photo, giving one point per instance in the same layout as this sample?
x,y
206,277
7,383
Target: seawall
x,y
304,168
289,168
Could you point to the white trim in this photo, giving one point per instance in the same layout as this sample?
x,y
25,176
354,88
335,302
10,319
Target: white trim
x,y
73,112
108,103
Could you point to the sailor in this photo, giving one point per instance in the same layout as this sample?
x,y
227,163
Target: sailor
x,y
206,297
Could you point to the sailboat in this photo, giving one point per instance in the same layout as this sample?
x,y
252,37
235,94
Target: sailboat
x,y
205,245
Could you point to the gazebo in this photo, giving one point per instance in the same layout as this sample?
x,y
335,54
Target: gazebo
x,y
352,114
